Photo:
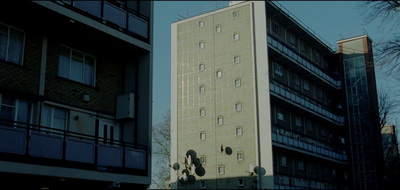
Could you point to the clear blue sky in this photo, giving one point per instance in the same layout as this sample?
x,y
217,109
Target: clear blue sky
x,y
329,19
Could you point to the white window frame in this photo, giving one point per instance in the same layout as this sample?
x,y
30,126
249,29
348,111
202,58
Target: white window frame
x,y
201,45
220,120
218,29
202,89
201,24
202,135
8,44
278,70
239,131
239,156
237,82
238,106
201,67
16,109
52,116
221,169
202,112
236,59
235,36
70,71
218,74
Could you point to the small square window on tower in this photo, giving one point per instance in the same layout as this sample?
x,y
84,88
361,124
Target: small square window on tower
x,y
238,106
218,29
201,45
237,82
236,59
239,156
201,67
202,135
219,74
235,14
202,112
236,36
239,131
220,120
201,24
221,169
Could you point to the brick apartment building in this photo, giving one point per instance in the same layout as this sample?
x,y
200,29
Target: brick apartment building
x,y
75,94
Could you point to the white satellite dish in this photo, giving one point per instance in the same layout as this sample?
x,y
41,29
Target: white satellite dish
x,y
193,169
184,176
189,160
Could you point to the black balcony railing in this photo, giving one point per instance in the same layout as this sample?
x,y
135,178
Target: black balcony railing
x,y
63,148
314,146
127,16
303,62
305,102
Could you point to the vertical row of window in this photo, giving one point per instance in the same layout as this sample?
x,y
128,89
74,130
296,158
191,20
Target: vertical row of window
x,y
220,119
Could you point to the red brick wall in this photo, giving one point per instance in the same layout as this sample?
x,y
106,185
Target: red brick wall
x,y
109,77
24,77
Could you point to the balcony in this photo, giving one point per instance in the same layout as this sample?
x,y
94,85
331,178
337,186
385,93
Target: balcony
x,y
302,101
116,14
22,142
291,139
302,62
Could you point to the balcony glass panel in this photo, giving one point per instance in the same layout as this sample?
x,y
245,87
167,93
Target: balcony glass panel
x,y
92,7
137,25
114,14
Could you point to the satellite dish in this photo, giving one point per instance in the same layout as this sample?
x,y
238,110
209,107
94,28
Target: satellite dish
x,y
189,160
176,166
192,153
200,171
228,150
185,172
259,170
184,177
193,169
191,179
196,162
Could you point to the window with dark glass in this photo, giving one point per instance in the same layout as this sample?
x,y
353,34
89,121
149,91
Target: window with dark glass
x,y
76,66
11,44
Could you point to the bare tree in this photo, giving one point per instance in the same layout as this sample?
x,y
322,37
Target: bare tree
x,y
387,52
387,106
161,151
